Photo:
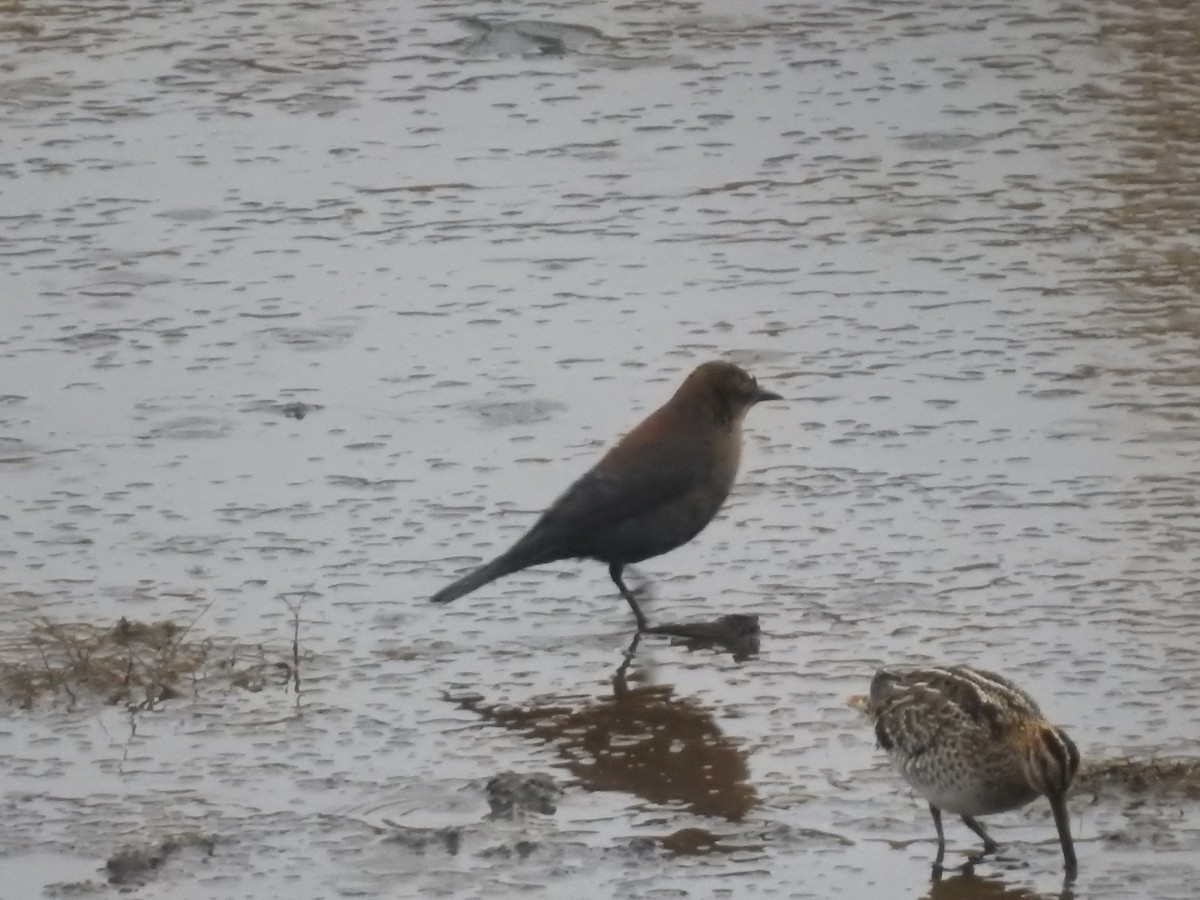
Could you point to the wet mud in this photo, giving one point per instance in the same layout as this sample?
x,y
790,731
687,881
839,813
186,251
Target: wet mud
x,y
309,307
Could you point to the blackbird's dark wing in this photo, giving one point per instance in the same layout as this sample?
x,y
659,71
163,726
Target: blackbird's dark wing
x,y
598,502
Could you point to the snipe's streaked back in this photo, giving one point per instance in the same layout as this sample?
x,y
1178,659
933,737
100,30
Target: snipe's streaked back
x,y
972,743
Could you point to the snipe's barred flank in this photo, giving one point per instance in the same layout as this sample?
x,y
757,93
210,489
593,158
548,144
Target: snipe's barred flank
x,y
972,743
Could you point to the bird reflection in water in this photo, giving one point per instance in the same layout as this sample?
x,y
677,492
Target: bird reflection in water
x,y
966,885
643,740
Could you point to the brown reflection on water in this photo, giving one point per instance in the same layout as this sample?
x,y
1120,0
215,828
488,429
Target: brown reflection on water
x,y
643,740
1155,129
969,886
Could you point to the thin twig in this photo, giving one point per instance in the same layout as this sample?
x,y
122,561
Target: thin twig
x,y
295,609
179,641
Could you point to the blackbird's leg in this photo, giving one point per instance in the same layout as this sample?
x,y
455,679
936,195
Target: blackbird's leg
x,y
614,570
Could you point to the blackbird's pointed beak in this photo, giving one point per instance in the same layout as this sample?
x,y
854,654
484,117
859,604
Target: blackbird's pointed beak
x,y
762,395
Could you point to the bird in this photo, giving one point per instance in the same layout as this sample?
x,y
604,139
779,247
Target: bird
x,y
654,490
971,742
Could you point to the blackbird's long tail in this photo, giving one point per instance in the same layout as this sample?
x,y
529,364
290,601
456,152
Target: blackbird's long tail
x,y
513,561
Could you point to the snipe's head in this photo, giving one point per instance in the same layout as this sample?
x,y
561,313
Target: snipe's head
x,y
1051,760
1050,763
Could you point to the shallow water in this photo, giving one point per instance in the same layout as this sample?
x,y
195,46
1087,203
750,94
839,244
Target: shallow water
x,y
318,304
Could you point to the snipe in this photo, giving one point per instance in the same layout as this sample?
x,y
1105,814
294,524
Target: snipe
x,y
971,742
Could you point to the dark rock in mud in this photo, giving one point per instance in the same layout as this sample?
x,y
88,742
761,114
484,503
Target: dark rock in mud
x,y
525,38
726,628
136,865
296,410
510,794
642,847
422,839
737,633
518,850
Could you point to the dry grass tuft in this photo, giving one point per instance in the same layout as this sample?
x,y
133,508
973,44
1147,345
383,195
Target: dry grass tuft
x,y
1177,776
139,664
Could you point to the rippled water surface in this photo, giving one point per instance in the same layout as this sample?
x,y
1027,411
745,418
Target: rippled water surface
x,y
307,307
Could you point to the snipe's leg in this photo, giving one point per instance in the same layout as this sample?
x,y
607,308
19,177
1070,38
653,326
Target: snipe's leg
x,y
989,846
941,853
614,570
